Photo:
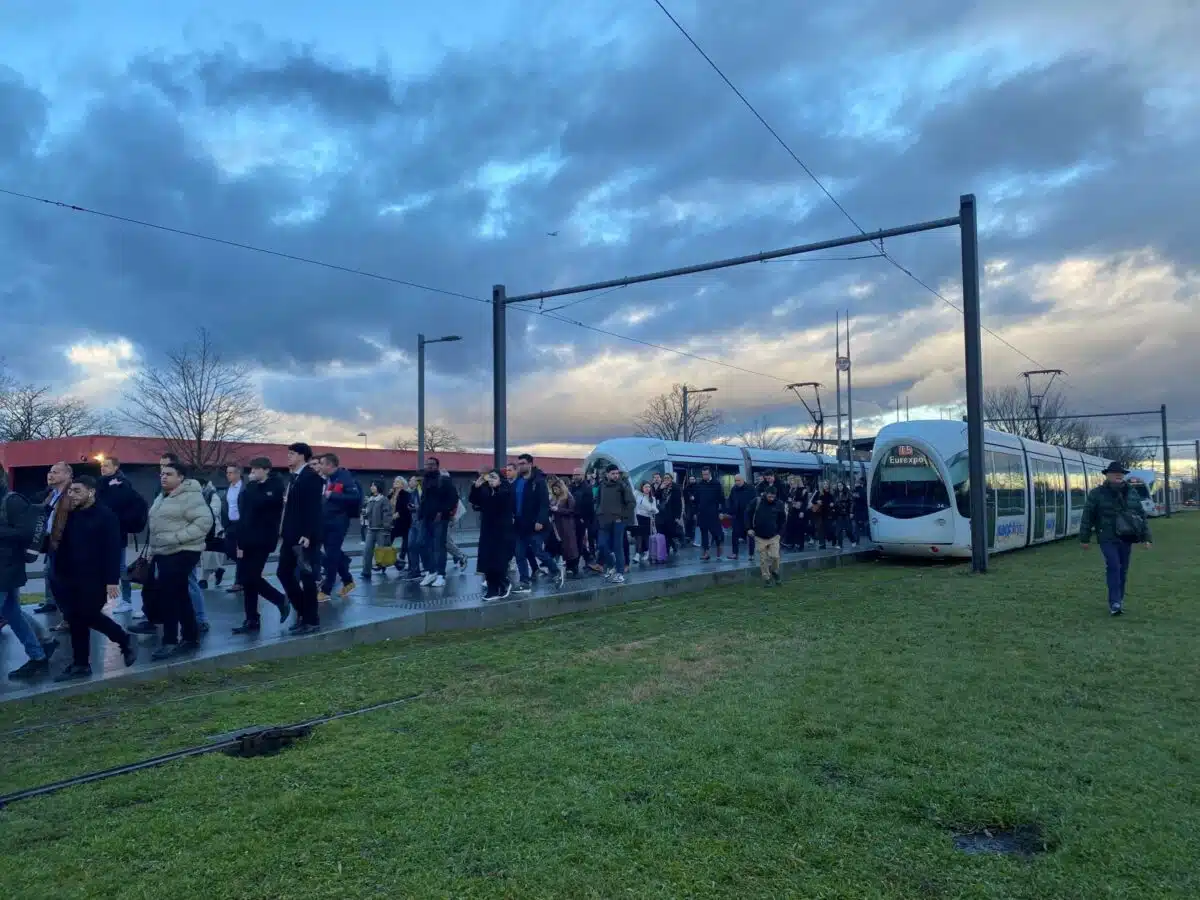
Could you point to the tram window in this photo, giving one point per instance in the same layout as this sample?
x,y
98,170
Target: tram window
x,y
906,484
1078,489
1010,484
646,471
960,480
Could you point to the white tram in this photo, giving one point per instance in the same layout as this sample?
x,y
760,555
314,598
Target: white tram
x,y
919,500
642,457
1152,487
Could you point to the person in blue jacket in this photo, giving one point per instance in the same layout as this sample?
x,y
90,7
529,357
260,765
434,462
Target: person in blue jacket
x,y
343,501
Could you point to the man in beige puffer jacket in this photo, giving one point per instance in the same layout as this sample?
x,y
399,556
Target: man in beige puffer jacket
x,y
180,519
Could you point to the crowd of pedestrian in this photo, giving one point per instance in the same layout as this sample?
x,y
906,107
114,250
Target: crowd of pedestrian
x,y
531,526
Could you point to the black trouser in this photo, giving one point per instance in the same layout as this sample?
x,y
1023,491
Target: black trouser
x,y
496,582
582,532
739,535
83,608
171,580
689,528
231,547
643,534
300,587
710,527
254,583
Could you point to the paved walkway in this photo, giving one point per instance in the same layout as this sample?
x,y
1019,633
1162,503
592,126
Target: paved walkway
x,y
390,608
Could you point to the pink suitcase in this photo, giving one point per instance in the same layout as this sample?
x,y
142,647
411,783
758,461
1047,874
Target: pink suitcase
x,y
658,548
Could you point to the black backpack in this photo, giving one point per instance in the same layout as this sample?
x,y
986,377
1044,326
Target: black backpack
x,y
137,514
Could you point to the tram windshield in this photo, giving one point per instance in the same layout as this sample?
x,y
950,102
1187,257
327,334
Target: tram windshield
x,y
906,484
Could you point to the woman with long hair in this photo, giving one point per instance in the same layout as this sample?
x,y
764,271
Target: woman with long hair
x,y
401,519
562,518
646,510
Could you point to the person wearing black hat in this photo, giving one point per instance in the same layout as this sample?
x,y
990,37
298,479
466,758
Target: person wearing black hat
x,y
1114,512
300,537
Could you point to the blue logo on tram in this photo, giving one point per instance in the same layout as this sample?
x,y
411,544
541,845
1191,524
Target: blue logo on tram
x,y
1010,529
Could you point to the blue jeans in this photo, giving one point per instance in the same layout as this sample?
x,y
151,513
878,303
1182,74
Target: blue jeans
x,y
10,608
336,564
415,538
1116,570
196,595
612,544
533,545
433,547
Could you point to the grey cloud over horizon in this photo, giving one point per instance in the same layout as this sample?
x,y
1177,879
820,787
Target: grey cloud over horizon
x,y
1078,135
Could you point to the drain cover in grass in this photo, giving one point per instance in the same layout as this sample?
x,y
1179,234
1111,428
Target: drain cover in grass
x,y
1023,841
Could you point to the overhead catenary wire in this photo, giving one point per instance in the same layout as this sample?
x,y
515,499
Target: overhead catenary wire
x,y
365,273
817,181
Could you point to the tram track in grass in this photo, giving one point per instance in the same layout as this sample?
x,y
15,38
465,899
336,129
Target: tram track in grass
x,y
832,735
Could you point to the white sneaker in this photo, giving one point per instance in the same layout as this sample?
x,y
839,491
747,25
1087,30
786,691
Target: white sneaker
x,y
608,576
618,579
429,579
123,606
438,581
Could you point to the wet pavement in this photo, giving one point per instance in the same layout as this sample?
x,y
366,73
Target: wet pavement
x,y
389,608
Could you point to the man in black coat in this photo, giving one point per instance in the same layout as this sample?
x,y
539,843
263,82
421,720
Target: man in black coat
x,y
585,514
531,504
765,518
708,500
740,498
260,510
85,571
300,536
439,502
116,492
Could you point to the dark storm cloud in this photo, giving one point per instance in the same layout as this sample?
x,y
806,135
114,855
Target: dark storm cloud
x,y
647,109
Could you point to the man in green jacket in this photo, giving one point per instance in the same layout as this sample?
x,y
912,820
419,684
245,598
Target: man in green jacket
x,y
1114,512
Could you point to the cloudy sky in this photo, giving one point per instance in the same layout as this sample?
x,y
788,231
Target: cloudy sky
x,y
441,144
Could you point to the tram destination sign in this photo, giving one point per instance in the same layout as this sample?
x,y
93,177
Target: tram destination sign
x,y
905,455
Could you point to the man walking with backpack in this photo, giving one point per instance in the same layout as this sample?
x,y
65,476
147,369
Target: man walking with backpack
x,y
1114,512
131,509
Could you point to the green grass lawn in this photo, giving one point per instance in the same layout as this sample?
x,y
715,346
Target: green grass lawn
x,y
824,740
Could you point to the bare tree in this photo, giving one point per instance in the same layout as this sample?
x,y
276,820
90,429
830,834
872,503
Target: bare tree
x,y
1126,451
760,436
31,413
663,417
1008,409
438,439
202,407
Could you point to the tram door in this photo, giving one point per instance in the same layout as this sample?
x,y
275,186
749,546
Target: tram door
x,y
1039,499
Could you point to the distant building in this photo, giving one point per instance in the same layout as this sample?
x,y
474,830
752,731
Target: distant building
x,y
27,462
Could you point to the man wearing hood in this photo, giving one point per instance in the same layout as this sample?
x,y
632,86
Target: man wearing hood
x,y
531,504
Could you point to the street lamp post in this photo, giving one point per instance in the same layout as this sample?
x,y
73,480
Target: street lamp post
x,y
421,342
683,425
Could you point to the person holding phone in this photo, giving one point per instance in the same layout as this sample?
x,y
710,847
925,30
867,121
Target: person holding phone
x,y
492,497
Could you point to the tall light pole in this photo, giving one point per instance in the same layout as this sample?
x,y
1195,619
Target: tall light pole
x,y
683,426
363,435
421,342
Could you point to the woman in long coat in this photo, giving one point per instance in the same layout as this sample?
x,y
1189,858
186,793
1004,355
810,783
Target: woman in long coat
x,y
492,497
562,516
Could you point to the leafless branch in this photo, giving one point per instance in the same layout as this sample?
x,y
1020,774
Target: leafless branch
x,y
663,417
204,408
761,436
438,439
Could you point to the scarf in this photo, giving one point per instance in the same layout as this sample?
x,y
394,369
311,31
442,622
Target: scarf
x,y
62,512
